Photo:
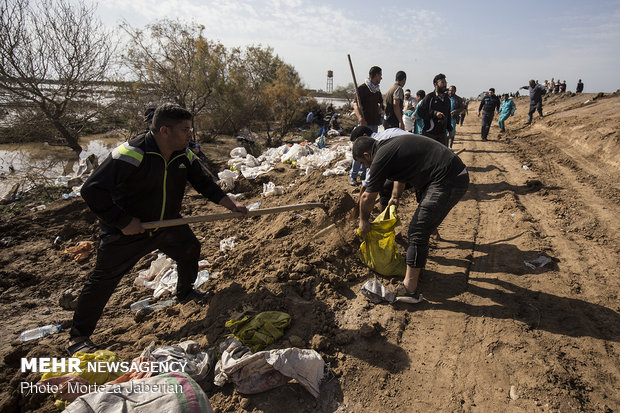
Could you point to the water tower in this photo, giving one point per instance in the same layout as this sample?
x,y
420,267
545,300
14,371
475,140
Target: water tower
x,y
330,81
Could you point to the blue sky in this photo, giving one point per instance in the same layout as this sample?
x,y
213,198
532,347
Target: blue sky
x,y
477,44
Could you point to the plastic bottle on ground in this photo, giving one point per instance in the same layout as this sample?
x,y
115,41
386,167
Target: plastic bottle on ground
x,y
39,332
139,304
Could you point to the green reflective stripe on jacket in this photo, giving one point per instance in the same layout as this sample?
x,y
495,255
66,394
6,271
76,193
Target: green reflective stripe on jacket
x,y
129,154
190,155
163,202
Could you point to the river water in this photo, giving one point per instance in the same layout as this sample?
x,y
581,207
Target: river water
x,y
40,162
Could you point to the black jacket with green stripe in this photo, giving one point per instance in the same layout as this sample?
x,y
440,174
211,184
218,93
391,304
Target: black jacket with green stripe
x,y
136,181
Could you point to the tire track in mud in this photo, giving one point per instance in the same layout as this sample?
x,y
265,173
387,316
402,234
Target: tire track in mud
x,y
570,383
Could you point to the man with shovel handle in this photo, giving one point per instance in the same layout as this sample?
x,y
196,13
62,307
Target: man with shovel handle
x,y
142,180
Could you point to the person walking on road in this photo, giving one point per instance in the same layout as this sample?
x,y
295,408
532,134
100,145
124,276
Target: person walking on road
x,y
536,93
457,107
143,180
489,105
507,110
435,110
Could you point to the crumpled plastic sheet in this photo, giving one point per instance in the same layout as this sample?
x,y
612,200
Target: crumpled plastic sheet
x,y
162,276
539,262
270,189
321,158
256,372
296,152
199,363
228,243
378,293
227,179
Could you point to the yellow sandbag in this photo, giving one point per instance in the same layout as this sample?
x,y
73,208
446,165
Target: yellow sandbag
x,y
93,377
378,250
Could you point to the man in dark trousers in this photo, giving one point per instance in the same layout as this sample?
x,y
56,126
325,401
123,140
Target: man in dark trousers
x,y
435,111
579,88
439,177
394,99
143,180
536,93
369,93
488,105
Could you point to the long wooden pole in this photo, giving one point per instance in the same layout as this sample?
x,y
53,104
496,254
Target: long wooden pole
x,y
229,215
357,95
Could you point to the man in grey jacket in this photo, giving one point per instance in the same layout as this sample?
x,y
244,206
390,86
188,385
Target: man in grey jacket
x,y
536,93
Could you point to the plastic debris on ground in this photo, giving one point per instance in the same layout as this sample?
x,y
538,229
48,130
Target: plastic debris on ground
x,y
227,179
133,398
236,196
161,276
202,277
525,167
271,189
196,362
377,293
12,195
539,262
81,251
260,330
378,250
253,206
257,372
228,243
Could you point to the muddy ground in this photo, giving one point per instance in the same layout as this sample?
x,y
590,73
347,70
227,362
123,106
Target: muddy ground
x,y
488,323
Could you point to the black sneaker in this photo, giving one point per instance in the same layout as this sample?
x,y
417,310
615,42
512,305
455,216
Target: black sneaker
x,y
195,296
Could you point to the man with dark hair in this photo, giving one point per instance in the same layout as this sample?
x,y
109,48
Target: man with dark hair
x,y
418,127
456,108
394,103
369,114
579,88
143,180
410,102
435,110
439,177
359,131
488,105
536,93
507,110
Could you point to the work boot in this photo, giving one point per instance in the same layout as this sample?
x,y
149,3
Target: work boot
x,y
195,296
352,181
529,120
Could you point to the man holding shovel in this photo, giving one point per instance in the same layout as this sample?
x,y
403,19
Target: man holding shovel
x,y
143,180
438,176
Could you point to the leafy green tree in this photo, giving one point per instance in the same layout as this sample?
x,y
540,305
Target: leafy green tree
x,y
174,62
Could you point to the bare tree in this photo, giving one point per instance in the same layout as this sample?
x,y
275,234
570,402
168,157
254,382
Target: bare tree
x,y
52,54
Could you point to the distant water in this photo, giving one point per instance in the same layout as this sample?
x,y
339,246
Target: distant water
x,y
24,162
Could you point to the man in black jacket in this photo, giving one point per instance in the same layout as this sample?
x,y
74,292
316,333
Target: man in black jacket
x,y
489,105
435,111
143,180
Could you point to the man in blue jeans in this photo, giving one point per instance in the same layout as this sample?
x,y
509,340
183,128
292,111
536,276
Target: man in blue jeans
x,y
438,176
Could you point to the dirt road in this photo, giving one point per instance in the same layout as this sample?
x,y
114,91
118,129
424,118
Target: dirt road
x,y
491,335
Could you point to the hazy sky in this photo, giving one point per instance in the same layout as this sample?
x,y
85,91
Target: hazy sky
x,y
476,44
